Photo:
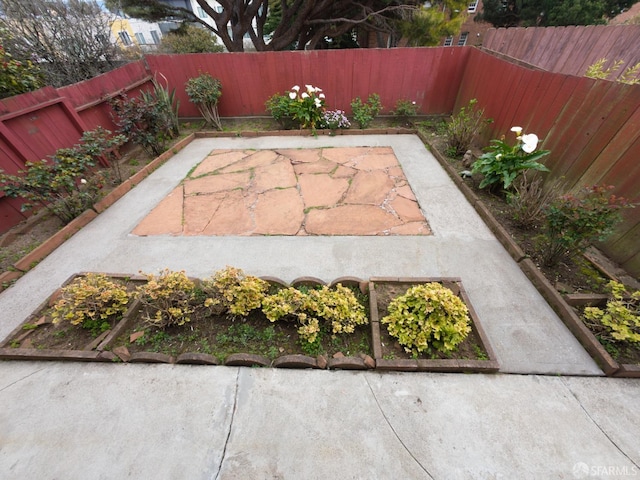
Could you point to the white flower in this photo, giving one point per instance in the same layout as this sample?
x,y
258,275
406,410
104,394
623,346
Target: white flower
x,y
83,181
318,89
529,142
498,156
517,130
310,88
296,88
318,102
321,95
292,95
305,95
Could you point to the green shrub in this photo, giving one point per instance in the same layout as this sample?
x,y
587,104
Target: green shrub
x,y
167,298
100,144
144,120
529,199
93,302
572,222
428,316
405,108
464,127
503,163
621,317
205,92
190,39
62,184
17,77
364,113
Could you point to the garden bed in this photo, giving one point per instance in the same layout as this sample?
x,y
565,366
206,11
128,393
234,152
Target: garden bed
x,y
252,340
474,354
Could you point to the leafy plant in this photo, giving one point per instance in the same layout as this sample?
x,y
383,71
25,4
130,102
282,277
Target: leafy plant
x,y
144,120
428,315
364,113
629,76
405,108
502,163
338,308
190,39
334,120
168,104
464,126
205,91
58,184
572,222
101,144
621,317
17,77
235,292
295,109
92,302
167,298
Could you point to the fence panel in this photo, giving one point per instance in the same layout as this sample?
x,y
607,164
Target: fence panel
x,y
590,126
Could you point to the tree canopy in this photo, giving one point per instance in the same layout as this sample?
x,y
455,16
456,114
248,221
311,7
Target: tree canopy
x,y
550,12
300,24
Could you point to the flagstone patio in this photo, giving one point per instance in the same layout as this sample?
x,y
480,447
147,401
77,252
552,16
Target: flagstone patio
x,y
320,191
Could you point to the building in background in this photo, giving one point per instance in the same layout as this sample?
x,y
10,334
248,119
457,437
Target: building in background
x,y
471,32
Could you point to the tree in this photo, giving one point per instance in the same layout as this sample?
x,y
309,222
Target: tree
x,y
69,40
426,26
17,77
190,39
303,24
550,12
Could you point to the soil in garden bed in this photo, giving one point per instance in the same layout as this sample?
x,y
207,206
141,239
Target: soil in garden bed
x,y
223,335
621,352
470,349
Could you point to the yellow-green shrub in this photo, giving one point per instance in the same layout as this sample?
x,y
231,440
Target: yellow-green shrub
x,y
336,306
428,315
234,291
621,316
167,298
91,301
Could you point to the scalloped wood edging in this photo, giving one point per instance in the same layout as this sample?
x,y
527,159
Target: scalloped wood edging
x,y
555,300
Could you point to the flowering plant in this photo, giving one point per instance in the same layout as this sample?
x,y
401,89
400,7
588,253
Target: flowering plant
x,y
301,107
334,119
503,162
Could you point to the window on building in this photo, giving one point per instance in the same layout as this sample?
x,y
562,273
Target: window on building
x,y
201,12
140,39
462,41
473,6
155,36
125,38
448,41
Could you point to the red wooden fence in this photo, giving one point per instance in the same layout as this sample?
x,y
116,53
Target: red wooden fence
x,y
590,126
568,49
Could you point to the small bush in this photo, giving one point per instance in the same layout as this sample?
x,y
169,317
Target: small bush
x,y
428,316
205,92
235,292
101,144
144,120
364,113
620,318
529,199
93,302
62,184
572,222
167,298
190,39
298,110
405,108
464,127
336,308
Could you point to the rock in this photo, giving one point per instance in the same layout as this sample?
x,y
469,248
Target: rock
x,y
321,361
468,159
122,353
338,355
136,335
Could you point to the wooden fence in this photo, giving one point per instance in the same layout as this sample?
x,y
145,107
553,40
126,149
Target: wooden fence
x,y
570,49
590,126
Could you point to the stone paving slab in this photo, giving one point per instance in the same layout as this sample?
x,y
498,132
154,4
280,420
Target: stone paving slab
x,y
327,191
